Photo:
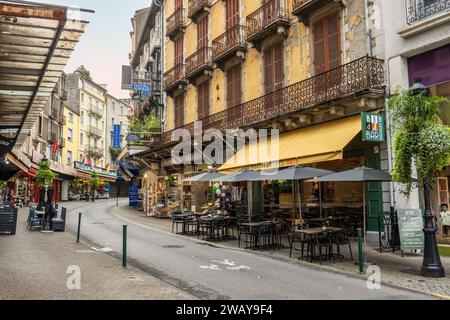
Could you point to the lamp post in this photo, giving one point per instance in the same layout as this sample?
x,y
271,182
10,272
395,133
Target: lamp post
x,y
432,266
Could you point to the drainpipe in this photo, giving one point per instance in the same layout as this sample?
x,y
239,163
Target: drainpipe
x,y
368,31
160,4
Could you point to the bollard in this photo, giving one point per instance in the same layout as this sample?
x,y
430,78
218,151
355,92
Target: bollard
x,y
79,227
360,251
124,250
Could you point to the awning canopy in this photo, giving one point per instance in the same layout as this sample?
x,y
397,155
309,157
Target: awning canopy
x,y
36,42
319,143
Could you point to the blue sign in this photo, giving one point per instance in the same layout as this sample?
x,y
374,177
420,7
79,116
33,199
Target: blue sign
x,y
134,196
116,136
144,89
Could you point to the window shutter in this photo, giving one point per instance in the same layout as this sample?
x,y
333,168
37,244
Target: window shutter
x,y
179,111
278,66
202,32
319,47
334,48
230,88
232,10
268,74
237,85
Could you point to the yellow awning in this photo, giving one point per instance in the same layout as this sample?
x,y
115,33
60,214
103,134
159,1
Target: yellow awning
x,y
319,143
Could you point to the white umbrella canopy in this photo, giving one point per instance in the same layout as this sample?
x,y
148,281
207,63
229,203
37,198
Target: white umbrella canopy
x,y
205,177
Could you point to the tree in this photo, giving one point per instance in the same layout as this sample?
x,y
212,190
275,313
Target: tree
x,y
420,138
45,175
85,73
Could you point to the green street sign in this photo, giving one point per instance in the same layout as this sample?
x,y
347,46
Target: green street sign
x,y
373,127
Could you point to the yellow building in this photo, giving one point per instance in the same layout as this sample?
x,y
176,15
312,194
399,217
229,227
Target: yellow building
x,y
308,68
89,98
71,131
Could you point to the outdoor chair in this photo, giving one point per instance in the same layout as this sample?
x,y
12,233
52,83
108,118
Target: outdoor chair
x,y
204,229
280,229
300,238
59,224
249,236
36,221
31,211
265,235
322,246
191,226
338,240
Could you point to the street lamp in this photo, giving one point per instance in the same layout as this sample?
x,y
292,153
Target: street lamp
x,y
432,266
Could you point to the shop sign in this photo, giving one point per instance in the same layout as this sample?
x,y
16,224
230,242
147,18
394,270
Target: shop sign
x,y
101,171
410,222
144,89
373,127
116,136
60,168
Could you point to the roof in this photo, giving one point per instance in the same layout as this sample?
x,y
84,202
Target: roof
x,y
36,42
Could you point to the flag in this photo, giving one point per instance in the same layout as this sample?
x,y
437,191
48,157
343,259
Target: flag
x,y
90,162
108,167
55,146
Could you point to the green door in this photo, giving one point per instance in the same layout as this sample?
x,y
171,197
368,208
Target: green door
x,y
257,198
374,194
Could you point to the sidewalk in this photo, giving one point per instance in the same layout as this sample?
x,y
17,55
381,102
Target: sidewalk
x,y
395,270
34,264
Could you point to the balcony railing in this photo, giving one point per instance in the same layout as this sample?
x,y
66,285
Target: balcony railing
x,y
93,150
176,23
356,77
421,9
196,7
199,62
96,111
175,77
266,19
228,43
93,131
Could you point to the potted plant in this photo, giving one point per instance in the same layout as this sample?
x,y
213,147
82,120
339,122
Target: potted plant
x,y
95,182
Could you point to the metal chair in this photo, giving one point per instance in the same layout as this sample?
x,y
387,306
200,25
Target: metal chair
x,y
35,220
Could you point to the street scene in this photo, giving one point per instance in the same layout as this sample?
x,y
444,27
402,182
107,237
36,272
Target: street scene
x,y
236,150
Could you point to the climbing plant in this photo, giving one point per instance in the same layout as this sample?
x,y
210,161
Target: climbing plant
x,y
420,138
95,180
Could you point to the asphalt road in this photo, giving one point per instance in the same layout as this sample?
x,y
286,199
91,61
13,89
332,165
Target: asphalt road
x,y
214,273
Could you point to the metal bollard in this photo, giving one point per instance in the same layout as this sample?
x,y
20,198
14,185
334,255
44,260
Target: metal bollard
x,y
124,249
79,227
360,251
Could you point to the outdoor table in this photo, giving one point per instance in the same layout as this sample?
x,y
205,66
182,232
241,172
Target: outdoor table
x,y
317,231
324,220
256,225
211,222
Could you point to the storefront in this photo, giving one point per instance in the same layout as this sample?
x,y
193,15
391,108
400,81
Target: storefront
x,y
81,186
337,146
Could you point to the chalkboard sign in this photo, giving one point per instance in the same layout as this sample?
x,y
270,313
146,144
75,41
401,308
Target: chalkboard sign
x,y
411,226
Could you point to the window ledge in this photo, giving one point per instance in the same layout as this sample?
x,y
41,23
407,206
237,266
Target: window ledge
x,y
426,24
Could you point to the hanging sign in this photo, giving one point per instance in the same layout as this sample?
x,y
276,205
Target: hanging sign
x,y
373,128
410,223
144,89
117,136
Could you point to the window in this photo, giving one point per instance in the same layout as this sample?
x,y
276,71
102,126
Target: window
x,y
96,123
81,139
82,98
203,100
90,102
90,121
273,68
121,110
234,86
114,106
103,125
179,43
232,13
70,117
82,118
40,126
202,34
179,111
81,157
112,121
70,134
327,47
69,157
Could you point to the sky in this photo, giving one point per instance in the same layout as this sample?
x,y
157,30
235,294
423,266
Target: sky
x,y
105,46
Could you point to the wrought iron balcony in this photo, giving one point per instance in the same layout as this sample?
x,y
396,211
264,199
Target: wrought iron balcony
x,y
93,131
94,151
362,76
228,44
197,7
96,111
303,8
271,18
176,23
175,77
198,63
421,9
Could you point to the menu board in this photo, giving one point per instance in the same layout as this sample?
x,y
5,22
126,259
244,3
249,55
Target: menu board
x,y
134,196
410,222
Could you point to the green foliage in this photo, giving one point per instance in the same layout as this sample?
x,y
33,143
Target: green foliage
x,y
85,73
2,184
420,138
45,176
115,152
95,180
150,124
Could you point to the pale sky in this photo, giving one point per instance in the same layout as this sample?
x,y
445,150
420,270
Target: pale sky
x,y
105,46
